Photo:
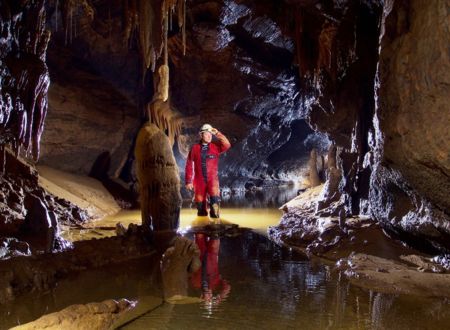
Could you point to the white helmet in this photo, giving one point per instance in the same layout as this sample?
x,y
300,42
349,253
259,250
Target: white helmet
x,y
206,128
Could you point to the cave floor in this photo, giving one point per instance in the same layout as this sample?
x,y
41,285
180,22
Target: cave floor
x,y
262,285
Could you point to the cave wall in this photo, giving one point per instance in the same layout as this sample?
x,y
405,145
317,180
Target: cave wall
x,y
377,74
94,110
337,55
238,75
24,74
411,181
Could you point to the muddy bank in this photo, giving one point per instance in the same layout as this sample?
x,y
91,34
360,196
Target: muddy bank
x,y
83,191
360,247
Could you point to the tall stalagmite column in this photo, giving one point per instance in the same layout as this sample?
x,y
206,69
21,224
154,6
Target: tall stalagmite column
x,y
159,182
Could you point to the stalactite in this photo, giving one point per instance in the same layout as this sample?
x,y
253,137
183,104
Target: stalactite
x,y
166,9
154,20
163,86
25,90
184,27
151,20
70,10
326,39
56,15
145,18
167,119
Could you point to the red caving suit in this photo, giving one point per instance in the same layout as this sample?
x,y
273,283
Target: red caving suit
x,y
194,173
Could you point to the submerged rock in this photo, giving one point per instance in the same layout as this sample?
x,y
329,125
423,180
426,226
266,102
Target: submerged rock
x,y
177,263
98,316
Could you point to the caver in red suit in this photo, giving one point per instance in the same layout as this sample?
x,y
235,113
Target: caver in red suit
x,y
201,169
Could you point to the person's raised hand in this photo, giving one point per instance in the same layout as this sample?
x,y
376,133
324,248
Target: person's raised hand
x,y
189,186
214,131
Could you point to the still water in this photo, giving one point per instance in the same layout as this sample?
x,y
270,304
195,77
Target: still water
x,y
269,287
247,283
256,218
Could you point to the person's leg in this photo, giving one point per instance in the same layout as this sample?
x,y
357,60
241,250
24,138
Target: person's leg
x,y
214,198
200,199
214,206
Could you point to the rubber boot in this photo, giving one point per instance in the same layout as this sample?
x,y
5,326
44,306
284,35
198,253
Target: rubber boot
x,y
215,212
201,209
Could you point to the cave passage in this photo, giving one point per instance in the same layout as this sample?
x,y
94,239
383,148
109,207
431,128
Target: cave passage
x,y
331,127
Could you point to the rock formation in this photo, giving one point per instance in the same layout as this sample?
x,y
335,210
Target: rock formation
x,y
398,147
159,180
314,179
24,74
410,181
177,263
29,212
89,316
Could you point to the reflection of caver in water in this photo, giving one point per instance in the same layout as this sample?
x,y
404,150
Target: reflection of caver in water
x,y
201,169
208,278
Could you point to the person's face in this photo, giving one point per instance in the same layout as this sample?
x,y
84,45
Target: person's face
x,y
206,137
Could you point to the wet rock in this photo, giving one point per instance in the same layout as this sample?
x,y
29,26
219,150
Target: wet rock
x,y
443,260
388,276
12,247
20,190
417,31
424,264
120,229
23,101
41,223
177,263
89,316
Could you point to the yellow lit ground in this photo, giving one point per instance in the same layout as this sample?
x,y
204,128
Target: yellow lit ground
x,y
256,218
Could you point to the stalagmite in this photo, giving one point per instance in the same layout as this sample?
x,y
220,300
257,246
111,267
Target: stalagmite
x,y
314,179
159,181
163,86
331,158
330,194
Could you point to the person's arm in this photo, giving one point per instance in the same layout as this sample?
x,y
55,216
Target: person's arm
x,y
223,143
189,172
